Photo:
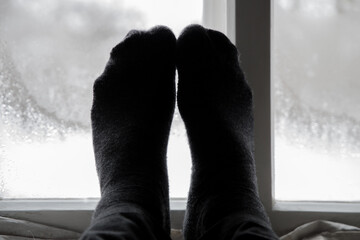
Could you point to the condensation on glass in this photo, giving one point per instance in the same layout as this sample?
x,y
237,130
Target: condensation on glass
x,y
50,54
316,73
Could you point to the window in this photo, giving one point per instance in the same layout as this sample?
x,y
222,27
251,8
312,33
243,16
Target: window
x,y
316,52
51,52
256,36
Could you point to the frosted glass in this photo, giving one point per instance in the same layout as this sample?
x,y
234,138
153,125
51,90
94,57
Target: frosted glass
x,y
50,54
316,73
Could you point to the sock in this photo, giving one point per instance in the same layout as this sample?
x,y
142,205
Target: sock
x,y
215,103
133,105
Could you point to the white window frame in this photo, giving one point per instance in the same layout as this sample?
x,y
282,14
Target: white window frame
x,y
247,23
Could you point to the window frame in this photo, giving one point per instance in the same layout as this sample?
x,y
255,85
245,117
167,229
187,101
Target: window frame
x,y
248,24
254,24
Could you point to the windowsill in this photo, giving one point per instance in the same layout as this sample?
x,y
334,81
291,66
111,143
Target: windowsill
x,y
176,204
336,207
72,214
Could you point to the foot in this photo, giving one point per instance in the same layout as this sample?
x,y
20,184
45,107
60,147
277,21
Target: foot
x,y
131,116
215,103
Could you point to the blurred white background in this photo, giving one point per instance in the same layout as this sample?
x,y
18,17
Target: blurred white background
x,y
50,54
316,77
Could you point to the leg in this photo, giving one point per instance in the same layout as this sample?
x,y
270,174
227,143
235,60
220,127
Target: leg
x,y
215,102
132,110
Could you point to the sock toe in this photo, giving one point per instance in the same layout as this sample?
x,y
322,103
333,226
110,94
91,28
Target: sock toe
x,y
208,68
192,46
163,33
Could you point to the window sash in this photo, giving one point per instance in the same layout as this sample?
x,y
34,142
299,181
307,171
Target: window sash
x,y
254,41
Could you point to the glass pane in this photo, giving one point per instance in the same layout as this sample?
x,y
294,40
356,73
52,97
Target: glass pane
x,y
316,59
50,54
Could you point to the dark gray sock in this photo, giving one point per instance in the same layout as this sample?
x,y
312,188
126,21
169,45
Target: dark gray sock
x,y
131,116
215,103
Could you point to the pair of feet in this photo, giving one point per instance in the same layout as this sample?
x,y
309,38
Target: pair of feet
x,y
133,106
